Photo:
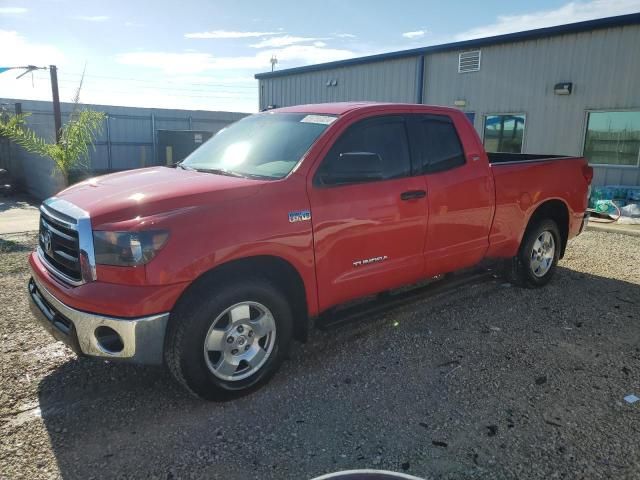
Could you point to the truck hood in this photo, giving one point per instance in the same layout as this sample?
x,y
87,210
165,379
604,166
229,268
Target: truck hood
x,y
124,196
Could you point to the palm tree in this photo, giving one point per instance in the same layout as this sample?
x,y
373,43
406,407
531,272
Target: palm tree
x,y
75,136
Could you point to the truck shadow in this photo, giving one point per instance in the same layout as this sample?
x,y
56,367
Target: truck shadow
x,y
336,393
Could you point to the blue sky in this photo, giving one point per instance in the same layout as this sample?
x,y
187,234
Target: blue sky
x,y
202,54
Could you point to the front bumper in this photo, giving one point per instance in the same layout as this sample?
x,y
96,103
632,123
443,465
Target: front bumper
x,y
138,340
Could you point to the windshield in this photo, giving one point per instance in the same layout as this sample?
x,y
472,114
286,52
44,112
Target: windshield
x,y
266,145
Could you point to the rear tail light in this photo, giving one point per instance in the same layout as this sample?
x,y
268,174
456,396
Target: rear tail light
x,y
587,172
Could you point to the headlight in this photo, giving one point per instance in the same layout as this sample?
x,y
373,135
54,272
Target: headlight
x,y
127,249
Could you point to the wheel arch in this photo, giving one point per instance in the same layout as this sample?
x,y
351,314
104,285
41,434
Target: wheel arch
x,y
556,210
276,269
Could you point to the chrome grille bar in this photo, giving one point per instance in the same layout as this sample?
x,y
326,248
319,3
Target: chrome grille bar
x,y
65,243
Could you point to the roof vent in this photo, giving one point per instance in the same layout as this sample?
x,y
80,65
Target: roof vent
x,y
469,61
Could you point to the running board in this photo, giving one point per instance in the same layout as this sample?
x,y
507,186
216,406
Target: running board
x,y
387,301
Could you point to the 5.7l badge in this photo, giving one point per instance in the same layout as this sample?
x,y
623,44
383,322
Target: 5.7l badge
x,y
300,216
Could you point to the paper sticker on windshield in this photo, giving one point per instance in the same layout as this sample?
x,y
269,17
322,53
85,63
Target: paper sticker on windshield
x,y
319,119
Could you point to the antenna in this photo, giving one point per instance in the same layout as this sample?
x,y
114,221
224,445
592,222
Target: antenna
x,y
274,61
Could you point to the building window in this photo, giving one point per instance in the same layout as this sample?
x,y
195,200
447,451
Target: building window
x,y
613,138
504,133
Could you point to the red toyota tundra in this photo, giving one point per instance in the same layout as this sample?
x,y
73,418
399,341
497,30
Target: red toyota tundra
x,y
214,265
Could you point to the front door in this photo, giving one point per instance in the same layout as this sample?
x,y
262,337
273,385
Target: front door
x,y
369,234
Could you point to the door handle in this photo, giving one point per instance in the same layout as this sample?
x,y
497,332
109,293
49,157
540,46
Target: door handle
x,y
412,194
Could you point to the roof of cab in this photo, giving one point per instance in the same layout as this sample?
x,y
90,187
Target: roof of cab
x,y
336,108
340,108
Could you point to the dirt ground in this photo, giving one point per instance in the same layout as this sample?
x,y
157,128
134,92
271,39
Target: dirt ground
x,y
491,382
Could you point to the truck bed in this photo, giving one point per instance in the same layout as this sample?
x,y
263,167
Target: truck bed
x,y
521,181
500,158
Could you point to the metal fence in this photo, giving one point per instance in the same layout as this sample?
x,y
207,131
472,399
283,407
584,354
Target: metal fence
x,y
127,140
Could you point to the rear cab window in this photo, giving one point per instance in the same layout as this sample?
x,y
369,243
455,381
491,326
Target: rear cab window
x,y
436,144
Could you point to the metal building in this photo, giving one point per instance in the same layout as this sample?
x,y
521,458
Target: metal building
x,y
571,89
130,138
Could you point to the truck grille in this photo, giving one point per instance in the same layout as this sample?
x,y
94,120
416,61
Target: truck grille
x,y
59,245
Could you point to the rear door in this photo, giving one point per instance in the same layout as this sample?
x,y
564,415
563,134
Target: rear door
x,y
460,193
369,236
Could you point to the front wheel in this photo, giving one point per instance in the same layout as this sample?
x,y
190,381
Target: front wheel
x,y
539,253
225,341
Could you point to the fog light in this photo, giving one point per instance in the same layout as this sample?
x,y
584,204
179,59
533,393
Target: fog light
x,y
109,340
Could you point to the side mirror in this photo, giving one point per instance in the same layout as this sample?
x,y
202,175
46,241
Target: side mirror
x,y
354,167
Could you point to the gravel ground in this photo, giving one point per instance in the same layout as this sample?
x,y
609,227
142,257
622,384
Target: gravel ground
x,y
492,382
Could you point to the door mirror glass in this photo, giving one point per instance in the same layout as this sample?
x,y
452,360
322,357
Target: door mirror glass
x,y
354,167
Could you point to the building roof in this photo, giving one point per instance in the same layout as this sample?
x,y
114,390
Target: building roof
x,y
600,23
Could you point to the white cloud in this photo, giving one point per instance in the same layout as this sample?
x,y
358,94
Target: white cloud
x,y
283,41
228,34
307,54
171,63
569,13
319,44
345,35
92,18
17,50
192,63
13,10
414,35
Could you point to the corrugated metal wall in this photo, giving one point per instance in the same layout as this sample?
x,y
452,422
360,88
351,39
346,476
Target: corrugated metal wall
x,y
604,66
390,81
127,139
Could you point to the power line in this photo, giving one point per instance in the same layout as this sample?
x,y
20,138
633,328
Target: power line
x,y
152,87
181,95
163,81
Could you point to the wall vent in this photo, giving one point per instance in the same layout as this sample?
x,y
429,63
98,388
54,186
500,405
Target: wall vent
x,y
469,61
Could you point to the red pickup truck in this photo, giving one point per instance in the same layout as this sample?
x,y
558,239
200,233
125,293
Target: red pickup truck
x,y
214,265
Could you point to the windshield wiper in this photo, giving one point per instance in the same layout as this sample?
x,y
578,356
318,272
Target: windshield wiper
x,y
220,171
228,173
257,176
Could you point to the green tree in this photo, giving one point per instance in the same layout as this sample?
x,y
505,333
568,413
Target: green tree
x,y
76,136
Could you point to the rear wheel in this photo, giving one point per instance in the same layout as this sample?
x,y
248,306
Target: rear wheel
x,y
225,341
539,253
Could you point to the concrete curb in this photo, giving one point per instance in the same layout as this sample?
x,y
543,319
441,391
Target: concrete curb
x,y
613,228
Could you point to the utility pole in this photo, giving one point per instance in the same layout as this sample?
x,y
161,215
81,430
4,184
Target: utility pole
x,y
53,70
57,117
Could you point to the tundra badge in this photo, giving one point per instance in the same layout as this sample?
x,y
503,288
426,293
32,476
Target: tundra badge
x,y
300,216
367,261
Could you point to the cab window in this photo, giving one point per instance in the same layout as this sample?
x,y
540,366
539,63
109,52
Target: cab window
x,y
377,147
437,144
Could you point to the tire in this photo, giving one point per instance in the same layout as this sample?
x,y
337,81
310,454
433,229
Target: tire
x,y
215,326
536,268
